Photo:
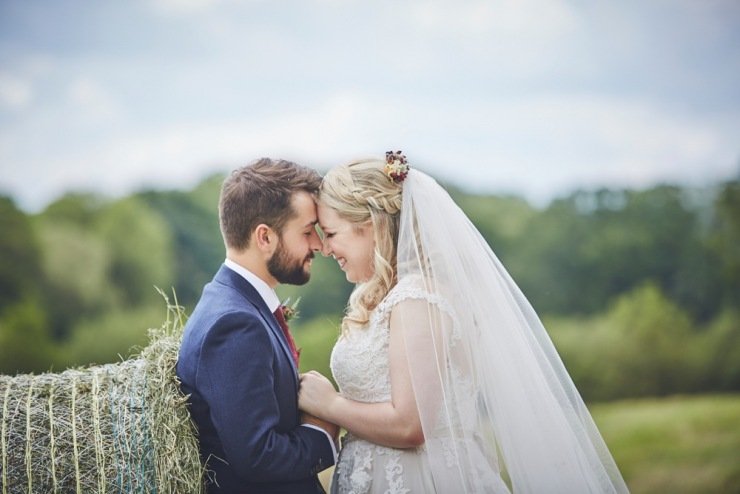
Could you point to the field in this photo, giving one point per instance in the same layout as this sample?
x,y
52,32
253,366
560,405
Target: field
x,y
686,444
681,445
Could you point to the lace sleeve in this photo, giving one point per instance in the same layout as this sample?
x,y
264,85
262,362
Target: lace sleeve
x,y
412,288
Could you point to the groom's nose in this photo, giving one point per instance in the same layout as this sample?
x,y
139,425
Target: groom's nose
x,y
315,242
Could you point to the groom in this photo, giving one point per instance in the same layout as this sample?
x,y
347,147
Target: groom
x,y
238,362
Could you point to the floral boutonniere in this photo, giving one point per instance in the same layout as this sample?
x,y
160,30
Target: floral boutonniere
x,y
290,311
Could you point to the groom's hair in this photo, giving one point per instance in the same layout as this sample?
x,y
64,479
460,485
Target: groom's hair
x,y
261,192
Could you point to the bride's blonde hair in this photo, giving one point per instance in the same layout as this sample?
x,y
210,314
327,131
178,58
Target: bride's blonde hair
x,y
361,193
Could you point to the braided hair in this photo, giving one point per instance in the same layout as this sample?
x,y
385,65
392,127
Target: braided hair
x,y
361,193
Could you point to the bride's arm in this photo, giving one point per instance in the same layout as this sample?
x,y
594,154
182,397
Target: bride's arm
x,y
395,423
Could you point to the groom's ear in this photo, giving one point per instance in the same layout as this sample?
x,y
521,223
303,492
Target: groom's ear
x,y
265,238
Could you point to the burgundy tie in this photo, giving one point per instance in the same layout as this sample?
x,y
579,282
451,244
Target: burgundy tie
x,y
286,331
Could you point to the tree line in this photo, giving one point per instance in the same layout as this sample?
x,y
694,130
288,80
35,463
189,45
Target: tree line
x,y
616,274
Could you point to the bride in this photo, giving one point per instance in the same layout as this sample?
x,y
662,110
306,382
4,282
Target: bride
x,y
448,381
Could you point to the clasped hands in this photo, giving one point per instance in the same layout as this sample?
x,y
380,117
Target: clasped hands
x,y
315,396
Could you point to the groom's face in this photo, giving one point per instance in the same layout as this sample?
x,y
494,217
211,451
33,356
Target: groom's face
x,y
291,261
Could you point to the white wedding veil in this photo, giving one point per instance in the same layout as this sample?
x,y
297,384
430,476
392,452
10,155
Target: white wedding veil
x,y
492,392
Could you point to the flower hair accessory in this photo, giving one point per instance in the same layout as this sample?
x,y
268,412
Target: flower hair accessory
x,y
396,166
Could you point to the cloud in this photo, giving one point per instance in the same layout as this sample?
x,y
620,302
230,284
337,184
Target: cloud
x,y
519,19
180,155
539,145
92,100
183,7
530,96
18,81
15,93
550,143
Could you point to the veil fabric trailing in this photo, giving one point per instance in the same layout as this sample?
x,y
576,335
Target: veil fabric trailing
x,y
499,411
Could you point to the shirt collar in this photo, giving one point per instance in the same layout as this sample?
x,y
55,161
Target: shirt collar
x,y
268,294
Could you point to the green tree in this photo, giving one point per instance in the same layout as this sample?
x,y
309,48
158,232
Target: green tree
x,y
644,345
25,345
724,241
77,208
98,256
656,356
197,246
20,271
501,220
140,246
720,347
547,265
585,249
75,264
111,336
205,195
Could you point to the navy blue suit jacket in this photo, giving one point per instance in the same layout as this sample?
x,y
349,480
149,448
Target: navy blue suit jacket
x,y
236,366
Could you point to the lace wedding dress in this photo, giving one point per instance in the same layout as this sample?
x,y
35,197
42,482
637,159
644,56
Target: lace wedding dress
x,y
494,398
360,366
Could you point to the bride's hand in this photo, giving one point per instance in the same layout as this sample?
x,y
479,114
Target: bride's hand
x,y
315,394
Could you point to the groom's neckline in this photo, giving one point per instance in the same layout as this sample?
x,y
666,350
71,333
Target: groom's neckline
x,y
267,294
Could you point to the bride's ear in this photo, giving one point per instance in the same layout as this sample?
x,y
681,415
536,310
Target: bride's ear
x,y
364,228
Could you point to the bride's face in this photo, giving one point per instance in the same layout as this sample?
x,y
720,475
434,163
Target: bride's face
x,y
350,244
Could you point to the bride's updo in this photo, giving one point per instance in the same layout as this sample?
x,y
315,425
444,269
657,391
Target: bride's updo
x,y
361,192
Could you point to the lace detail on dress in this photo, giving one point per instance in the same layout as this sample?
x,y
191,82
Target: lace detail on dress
x,y
360,474
359,360
394,476
354,472
410,287
360,366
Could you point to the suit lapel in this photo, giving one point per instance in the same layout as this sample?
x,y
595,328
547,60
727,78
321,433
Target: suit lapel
x,y
237,282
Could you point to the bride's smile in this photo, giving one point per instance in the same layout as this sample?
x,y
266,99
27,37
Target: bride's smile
x,y
352,246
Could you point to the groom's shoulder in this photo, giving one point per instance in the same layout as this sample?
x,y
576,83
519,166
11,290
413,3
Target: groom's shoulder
x,y
219,308
218,297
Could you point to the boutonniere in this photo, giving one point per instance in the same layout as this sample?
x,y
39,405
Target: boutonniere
x,y
290,311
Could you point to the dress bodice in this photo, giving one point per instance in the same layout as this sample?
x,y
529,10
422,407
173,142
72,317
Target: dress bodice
x,y
360,366
359,360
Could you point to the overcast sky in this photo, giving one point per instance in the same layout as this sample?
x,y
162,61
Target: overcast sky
x,y
534,97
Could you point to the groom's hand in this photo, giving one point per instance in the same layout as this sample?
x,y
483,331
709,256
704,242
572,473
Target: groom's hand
x,y
331,429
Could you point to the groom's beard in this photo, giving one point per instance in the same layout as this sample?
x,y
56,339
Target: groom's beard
x,y
286,269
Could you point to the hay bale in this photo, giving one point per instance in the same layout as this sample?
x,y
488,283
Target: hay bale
x,y
121,427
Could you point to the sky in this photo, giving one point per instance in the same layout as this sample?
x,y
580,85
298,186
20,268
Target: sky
x,y
528,97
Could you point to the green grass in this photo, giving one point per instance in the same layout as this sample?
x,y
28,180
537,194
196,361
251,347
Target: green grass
x,y
683,444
